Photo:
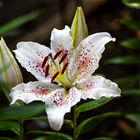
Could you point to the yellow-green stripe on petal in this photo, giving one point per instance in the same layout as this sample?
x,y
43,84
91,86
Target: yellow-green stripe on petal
x,y
10,74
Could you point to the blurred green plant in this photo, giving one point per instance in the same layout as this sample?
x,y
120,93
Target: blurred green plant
x,y
130,84
15,23
132,3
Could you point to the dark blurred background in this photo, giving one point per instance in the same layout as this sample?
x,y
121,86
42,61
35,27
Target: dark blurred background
x,y
39,17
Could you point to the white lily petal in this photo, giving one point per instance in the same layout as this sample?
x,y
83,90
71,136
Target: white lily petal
x,y
32,91
61,39
87,55
96,87
31,56
58,103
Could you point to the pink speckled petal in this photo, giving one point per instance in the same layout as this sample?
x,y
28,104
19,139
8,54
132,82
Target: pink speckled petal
x,y
96,87
32,91
58,104
87,55
31,56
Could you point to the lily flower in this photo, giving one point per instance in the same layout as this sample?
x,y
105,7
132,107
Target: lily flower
x,y
64,73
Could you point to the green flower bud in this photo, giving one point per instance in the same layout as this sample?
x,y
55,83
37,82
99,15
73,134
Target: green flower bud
x,y
10,74
79,29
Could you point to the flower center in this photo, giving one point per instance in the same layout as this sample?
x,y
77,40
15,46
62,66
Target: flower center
x,y
56,66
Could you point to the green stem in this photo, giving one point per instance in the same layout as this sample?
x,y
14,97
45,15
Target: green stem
x,y
22,129
74,123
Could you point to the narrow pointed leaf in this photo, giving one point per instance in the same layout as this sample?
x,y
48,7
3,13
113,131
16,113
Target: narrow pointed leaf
x,y
19,21
132,92
92,104
46,138
135,117
69,122
92,122
132,3
125,60
131,43
57,135
128,79
6,138
24,112
134,24
102,138
12,126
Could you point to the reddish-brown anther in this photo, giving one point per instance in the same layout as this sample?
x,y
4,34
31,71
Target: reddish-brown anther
x,y
54,76
47,71
57,54
63,57
64,68
45,61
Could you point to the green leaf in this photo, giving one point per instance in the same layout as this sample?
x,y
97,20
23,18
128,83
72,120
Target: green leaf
x,y
54,134
46,138
92,104
131,43
19,21
128,79
102,138
66,121
24,112
125,60
6,138
12,126
135,117
134,24
92,122
135,92
69,122
132,3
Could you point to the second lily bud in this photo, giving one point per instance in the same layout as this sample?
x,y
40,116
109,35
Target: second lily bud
x,y
79,29
10,74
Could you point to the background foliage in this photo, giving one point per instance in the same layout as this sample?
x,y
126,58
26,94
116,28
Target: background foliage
x,y
104,119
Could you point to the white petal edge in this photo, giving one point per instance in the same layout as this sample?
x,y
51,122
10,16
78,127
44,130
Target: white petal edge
x,y
96,87
32,91
57,105
31,55
86,58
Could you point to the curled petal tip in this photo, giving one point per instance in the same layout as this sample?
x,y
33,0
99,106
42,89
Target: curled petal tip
x,y
113,39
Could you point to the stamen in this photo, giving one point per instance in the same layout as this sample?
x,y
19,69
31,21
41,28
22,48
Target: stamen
x,y
57,54
55,83
64,68
54,76
63,58
47,71
50,55
45,61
